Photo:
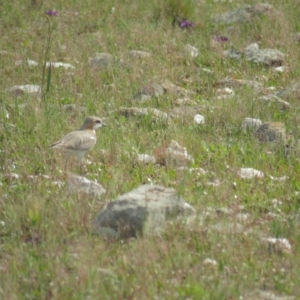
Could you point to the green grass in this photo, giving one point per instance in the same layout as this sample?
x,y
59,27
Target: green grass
x,y
46,248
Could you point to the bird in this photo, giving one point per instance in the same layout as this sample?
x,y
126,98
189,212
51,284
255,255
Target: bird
x,y
77,143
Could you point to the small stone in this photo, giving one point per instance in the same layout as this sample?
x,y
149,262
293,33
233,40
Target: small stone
x,y
250,123
233,54
225,91
185,101
103,61
210,262
29,89
278,245
145,158
280,69
28,62
138,54
191,50
84,186
281,178
156,114
199,119
59,65
275,99
172,88
249,173
239,83
149,91
185,113
264,295
290,92
207,70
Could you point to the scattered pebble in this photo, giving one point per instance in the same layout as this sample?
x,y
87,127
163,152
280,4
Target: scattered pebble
x,y
191,50
28,62
249,173
184,101
199,119
210,262
278,245
250,123
29,89
84,186
138,54
150,90
59,65
156,114
145,158
275,99
102,61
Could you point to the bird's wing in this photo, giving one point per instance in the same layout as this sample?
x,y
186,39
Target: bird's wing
x,y
76,140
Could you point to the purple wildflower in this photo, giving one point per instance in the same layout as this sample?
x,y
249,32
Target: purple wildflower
x,y
51,13
221,39
184,23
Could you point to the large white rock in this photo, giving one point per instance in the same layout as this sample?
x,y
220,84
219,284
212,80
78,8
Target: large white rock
x,y
141,211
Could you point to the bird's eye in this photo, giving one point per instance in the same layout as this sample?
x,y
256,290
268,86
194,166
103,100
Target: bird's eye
x,y
98,121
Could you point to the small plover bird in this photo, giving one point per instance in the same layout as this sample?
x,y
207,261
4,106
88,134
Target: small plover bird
x,y
77,143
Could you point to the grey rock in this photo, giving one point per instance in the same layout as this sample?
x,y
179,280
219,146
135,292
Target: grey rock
x,y
185,101
290,92
271,98
244,13
185,113
268,57
27,89
271,132
145,158
250,123
103,61
56,65
277,245
233,54
174,89
28,62
151,90
141,211
240,83
249,173
156,114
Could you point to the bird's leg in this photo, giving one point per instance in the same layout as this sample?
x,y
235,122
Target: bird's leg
x,y
81,163
66,161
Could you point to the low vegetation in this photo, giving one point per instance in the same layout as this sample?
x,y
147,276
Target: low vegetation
x,y
47,250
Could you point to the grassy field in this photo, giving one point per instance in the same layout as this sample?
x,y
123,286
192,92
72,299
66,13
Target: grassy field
x,y
46,248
